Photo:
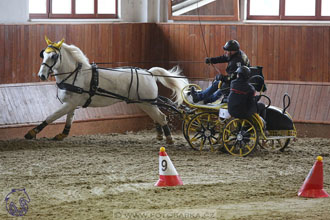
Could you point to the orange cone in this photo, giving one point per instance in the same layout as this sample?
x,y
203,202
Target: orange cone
x,y
313,184
167,172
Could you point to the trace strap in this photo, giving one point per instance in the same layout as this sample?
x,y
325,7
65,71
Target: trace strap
x,y
95,90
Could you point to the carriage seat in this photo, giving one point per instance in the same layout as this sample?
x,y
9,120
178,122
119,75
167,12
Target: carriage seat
x,y
257,79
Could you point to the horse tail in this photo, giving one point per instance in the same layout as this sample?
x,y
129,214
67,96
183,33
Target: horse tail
x,y
172,80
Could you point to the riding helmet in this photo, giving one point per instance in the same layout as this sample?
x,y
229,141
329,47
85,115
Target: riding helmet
x,y
231,45
244,72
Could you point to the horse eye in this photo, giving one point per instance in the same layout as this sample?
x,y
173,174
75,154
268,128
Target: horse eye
x,y
54,56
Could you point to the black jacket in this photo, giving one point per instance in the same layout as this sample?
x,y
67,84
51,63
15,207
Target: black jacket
x,y
241,100
235,61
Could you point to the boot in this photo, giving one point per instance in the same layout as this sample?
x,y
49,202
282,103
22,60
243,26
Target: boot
x,y
194,94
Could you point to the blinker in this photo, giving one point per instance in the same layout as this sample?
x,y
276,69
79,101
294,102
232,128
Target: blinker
x,y
42,54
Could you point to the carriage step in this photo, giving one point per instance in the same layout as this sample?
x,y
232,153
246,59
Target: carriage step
x,y
279,137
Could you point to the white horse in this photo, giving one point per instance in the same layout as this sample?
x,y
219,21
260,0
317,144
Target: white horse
x,y
84,85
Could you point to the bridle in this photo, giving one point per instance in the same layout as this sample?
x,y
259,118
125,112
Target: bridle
x,y
54,57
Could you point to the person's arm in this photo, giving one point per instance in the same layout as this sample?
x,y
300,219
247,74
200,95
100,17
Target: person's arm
x,y
220,59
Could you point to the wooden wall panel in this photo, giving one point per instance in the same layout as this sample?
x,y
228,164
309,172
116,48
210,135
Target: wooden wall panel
x,y
120,44
287,52
26,104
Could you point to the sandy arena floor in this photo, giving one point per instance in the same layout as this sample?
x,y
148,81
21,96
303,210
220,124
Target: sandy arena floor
x,y
113,176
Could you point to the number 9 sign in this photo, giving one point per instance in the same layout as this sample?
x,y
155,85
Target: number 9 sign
x,y
164,165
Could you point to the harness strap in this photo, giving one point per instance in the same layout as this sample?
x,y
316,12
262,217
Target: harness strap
x,y
71,88
93,86
95,90
137,84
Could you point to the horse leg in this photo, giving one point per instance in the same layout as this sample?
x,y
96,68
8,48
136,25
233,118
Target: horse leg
x,y
167,132
67,127
159,132
32,134
160,119
65,108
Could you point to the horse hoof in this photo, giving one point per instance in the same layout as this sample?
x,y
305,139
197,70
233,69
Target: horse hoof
x,y
60,137
159,137
169,140
31,135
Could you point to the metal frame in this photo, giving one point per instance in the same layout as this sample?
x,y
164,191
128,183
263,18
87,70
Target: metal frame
x,y
282,15
73,15
234,17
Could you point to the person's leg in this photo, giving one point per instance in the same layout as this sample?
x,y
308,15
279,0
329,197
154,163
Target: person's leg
x,y
209,91
213,97
205,94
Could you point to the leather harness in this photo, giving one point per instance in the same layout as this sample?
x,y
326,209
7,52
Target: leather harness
x,y
95,90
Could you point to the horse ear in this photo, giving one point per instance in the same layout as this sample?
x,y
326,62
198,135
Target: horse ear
x,y
49,42
59,44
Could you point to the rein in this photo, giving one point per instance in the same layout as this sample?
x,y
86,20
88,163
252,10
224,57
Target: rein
x,y
146,74
203,37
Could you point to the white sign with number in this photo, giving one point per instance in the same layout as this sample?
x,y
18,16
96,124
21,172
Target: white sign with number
x,y
166,167
223,113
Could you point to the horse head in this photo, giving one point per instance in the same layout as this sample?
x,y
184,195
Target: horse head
x,y
50,58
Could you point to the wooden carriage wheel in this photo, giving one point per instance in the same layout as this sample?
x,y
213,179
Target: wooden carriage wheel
x,y
204,131
240,137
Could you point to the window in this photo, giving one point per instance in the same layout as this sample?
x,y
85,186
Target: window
x,y
288,9
206,10
73,8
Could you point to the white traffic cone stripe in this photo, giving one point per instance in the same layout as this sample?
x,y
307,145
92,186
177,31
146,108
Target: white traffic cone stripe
x,y
166,167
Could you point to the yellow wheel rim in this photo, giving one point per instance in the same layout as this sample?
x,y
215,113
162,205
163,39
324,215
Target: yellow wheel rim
x,y
240,137
204,132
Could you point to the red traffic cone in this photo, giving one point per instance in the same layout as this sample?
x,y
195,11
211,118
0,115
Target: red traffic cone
x,y
167,172
313,184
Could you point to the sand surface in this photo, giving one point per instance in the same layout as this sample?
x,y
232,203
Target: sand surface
x,y
112,177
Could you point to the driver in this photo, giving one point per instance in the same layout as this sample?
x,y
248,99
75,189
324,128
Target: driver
x,y
235,58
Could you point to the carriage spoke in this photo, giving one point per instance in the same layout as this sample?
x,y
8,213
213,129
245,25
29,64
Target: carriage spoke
x,y
232,148
202,144
211,144
228,131
248,130
280,143
229,139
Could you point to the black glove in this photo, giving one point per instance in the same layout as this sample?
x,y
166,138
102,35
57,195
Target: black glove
x,y
219,77
225,79
207,60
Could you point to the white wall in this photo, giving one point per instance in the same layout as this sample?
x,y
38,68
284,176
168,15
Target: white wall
x,y
16,11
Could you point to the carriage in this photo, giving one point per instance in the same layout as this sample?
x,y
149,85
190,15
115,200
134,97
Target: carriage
x,y
210,126
205,127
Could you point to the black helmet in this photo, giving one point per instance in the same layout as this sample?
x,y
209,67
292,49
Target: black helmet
x,y
231,45
244,72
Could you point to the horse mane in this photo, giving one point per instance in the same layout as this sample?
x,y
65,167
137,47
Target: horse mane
x,y
77,54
